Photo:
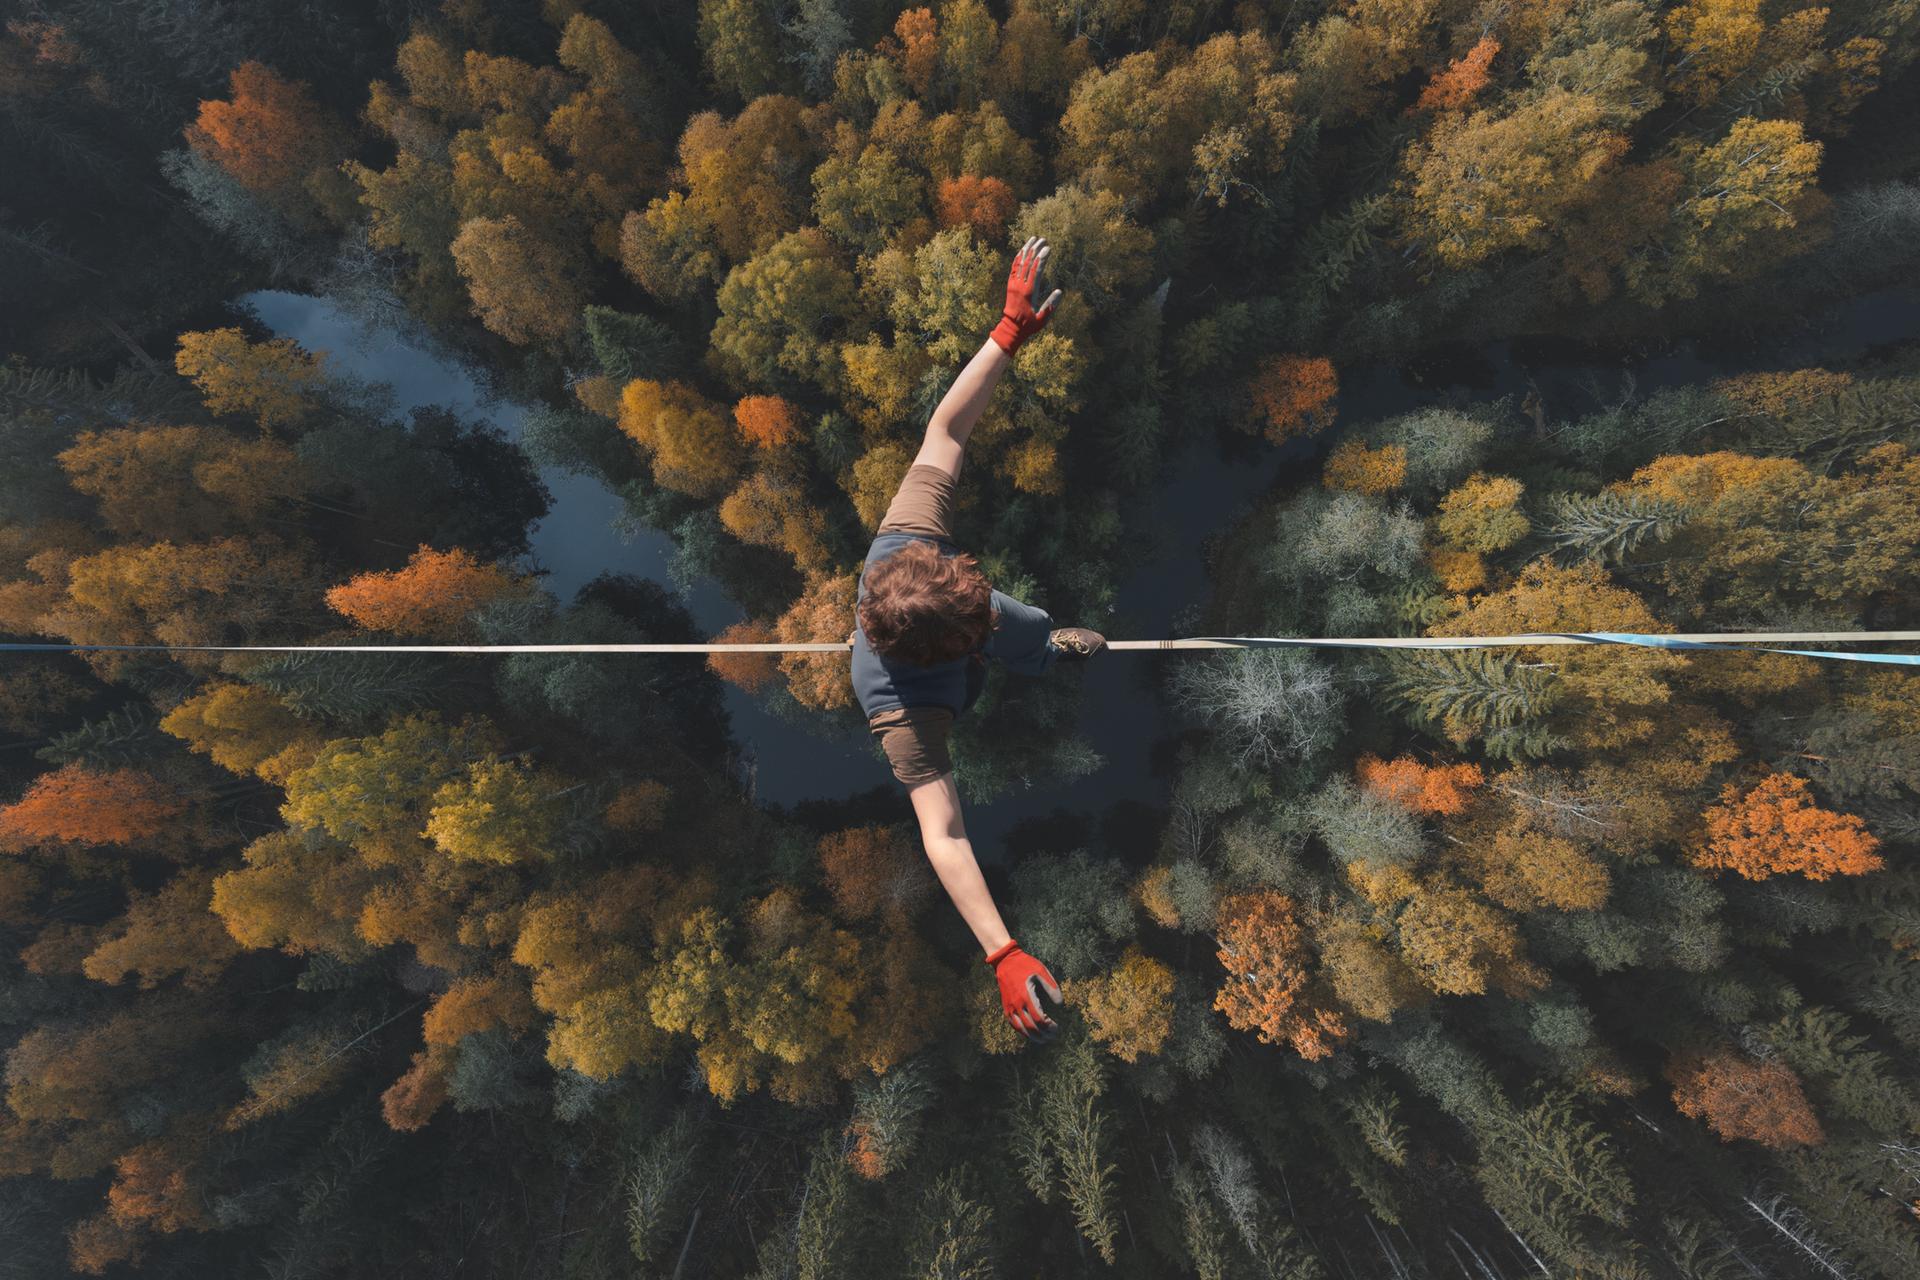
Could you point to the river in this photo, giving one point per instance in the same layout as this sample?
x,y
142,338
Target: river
x,y
1203,491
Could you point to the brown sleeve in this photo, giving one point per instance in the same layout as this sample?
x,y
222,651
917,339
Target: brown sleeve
x,y
924,504
915,742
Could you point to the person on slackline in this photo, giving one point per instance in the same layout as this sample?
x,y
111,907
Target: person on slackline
x,y
927,622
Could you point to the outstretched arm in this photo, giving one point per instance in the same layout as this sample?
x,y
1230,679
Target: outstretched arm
x,y
944,833
952,422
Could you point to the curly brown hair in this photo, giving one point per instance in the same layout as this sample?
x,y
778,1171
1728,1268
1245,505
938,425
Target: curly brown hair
x,y
923,607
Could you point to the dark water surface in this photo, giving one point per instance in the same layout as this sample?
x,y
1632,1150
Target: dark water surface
x,y
1201,494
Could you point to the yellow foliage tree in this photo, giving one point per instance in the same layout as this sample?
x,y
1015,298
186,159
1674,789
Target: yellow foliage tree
x,y
1358,469
694,447
1130,1008
273,382
245,729
770,508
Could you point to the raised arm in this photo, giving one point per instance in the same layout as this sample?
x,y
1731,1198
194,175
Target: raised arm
x,y
952,422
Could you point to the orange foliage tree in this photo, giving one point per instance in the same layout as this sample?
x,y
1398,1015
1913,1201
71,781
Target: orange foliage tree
x,y
410,1101
693,446
1463,79
475,1003
1783,391
1434,790
822,615
271,135
88,806
984,204
768,421
1293,396
432,596
918,48
873,870
1740,1097
751,671
1268,988
1776,829
151,1186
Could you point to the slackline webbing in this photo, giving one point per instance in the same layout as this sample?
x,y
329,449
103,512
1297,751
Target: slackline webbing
x,y
1738,641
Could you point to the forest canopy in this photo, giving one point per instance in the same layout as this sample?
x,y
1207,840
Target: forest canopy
x,y
1585,962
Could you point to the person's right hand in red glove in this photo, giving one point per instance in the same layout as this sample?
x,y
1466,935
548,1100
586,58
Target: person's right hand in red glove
x,y
1022,979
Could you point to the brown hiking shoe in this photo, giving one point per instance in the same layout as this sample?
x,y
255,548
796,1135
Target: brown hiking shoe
x,y
1076,642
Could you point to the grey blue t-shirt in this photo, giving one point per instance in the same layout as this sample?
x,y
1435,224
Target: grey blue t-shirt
x,y
1019,643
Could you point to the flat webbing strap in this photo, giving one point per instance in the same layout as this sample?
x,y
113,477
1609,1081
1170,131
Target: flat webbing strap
x,y
1745,641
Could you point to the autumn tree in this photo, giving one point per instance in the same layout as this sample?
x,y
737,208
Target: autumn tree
x,y
768,422
1775,828
180,481
778,309
872,871
166,934
372,791
1483,182
433,596
1217,118
1356,468
823,614
1130,1009
501,812
1269,985
294,893
694,447
1463,78
985,204
751,671
769,509
1743,1097
740,44
274,139
274,382
1744,195
244,729
523,287
864,195
1293,396
1430,790
747,184
1483,514
90,807
1459,944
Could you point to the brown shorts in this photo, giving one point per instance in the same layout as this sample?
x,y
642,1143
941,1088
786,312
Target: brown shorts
x,y
915,738
923,506
915,742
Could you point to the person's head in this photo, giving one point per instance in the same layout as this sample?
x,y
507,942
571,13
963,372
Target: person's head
x,y
923,607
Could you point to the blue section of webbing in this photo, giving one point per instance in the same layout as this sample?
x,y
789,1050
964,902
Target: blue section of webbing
x,y
1667,642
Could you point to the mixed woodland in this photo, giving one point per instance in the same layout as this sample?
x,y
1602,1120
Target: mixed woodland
x,y
1596,962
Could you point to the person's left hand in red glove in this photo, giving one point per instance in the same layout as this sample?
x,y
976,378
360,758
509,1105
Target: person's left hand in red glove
x,y
1023,316
1022,979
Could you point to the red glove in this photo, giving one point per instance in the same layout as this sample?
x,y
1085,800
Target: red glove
x,y
1021,319
1022,978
